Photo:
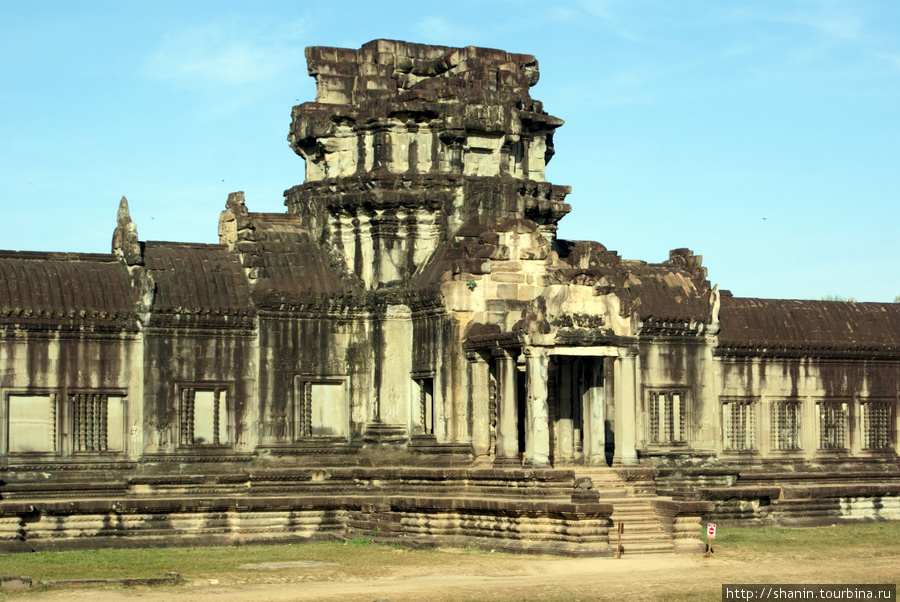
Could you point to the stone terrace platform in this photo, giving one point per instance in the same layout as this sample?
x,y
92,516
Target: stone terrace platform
x,y
564,512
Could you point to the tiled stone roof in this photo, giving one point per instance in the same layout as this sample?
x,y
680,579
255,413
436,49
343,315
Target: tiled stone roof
x,y
666,293
287,266
809,325
67,290
197,279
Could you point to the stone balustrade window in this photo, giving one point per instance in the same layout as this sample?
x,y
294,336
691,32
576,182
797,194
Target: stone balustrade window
x,y
739,424
98,422
493,407
667,416
785,425
877,421
425,388
833,424
65,424
321,408
304,409
204,416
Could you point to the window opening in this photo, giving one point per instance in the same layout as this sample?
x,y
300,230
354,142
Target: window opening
x,y
739,422
426,404
832,424
786,425
31,423
876,425
667,417
321,409
203,417
97,422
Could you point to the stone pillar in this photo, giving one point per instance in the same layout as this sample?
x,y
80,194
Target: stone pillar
x,y
537,423
395,384
578,409
392,383
565,441
626,406
594,415
507,434
808,437
479,396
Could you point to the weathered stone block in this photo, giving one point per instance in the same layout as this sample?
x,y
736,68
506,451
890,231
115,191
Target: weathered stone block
x,y
507,277
507,291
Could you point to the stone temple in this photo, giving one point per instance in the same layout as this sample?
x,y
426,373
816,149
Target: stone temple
x,y
409,352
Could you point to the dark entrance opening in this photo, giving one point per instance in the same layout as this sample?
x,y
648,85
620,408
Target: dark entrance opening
x,y
610,442
521,409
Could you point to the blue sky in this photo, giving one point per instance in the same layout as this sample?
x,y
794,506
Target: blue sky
x,y
764,135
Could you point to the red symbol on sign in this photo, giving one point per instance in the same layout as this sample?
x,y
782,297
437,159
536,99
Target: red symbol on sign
x,y
710,530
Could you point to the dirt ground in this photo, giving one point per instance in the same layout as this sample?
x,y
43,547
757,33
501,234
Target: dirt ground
x,y
486,576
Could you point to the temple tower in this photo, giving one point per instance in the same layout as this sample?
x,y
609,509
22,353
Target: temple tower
x,y
407,143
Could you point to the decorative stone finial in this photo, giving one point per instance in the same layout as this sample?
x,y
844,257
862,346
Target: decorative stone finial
x,y
715,304
125,244
234,219
686,260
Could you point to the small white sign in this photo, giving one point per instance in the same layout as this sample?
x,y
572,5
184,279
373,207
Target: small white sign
x,y
710,530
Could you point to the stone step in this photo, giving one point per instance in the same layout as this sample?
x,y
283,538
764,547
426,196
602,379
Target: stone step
x,y
655,537
639,523
632,503
632,507
641,536
635,548
661,542
636,523
634,514
598,484
639,526
603,477
641,531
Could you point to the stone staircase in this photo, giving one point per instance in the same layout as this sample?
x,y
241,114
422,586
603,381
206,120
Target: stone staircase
x,y
641,531
633,503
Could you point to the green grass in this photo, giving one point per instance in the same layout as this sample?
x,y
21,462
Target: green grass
x,y
361,541
866,538
195,562
363,558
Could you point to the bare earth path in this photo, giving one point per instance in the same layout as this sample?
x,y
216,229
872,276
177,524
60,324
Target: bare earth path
x,y
485,576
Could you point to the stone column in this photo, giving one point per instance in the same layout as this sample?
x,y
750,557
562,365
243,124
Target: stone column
x,y
579,417
626,406
594,415
507,434
809,417
395,383
565,441
479,401
537,423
